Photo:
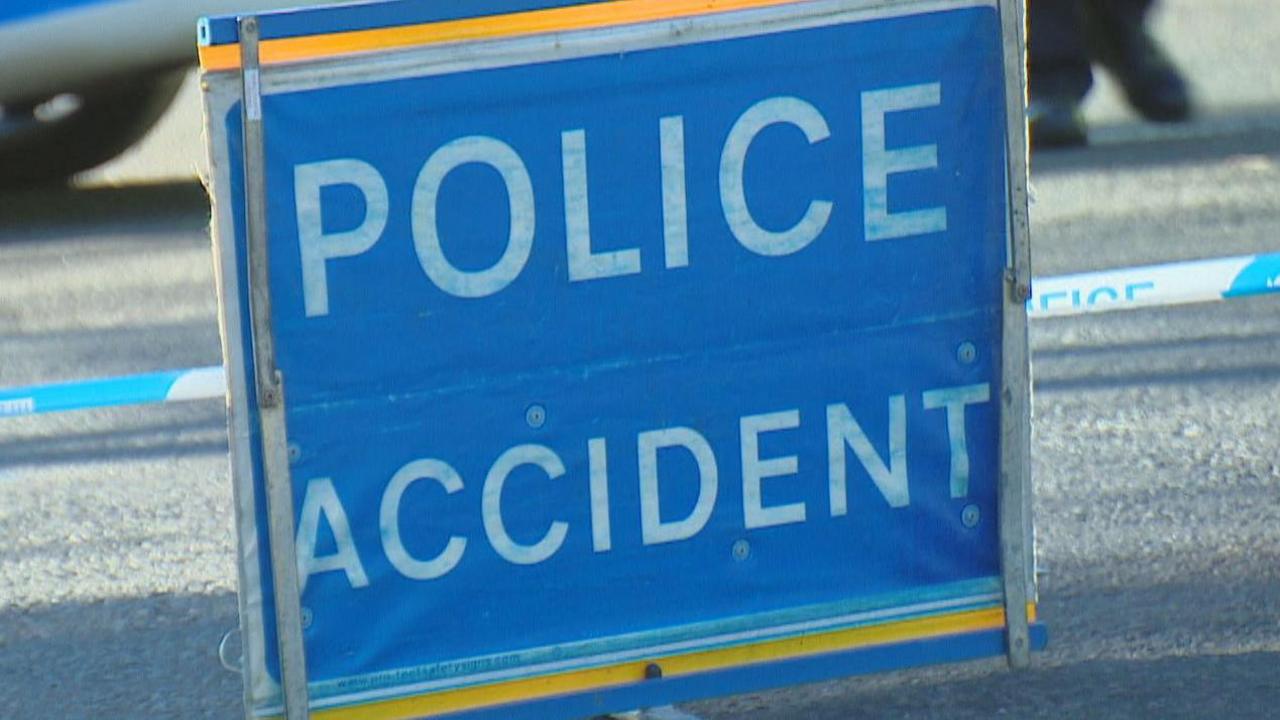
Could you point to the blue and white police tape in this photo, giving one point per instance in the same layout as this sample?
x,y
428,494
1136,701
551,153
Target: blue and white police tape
x,y
1154,285
160,387
1127,288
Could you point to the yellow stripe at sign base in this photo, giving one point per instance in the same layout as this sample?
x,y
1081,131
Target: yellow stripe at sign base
x,y
676,665
577,17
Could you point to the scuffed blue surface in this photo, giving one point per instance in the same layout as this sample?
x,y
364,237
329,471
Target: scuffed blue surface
x,y
398,370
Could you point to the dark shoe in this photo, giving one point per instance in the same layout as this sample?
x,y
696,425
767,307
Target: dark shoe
x,y
1151,82
1056,122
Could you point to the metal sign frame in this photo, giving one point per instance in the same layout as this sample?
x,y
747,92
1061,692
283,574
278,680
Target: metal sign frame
x,y
257,404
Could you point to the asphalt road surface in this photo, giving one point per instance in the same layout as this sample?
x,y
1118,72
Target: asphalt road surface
x,y
1156,450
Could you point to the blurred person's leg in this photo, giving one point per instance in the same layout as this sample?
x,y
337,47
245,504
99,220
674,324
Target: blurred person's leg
x,y
1120,41
1060,76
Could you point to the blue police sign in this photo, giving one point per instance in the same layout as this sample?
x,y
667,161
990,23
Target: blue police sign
x,y
657,358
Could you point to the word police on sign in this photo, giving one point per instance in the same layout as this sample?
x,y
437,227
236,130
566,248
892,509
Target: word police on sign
x,y
878,164
677,342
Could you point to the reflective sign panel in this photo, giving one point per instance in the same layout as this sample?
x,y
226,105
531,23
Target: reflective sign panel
x,y
638,362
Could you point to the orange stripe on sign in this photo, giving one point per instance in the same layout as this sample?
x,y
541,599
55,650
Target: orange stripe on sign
x,y
577,17
672,666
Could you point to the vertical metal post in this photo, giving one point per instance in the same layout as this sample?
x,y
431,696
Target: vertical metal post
x,y
270,386
1017,552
